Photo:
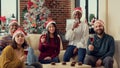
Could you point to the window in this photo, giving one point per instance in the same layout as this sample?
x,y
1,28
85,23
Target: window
x,y
89,7
8,8
0,10
8,11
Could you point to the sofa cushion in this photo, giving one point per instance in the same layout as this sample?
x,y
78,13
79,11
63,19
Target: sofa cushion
x,y
33,41
61,55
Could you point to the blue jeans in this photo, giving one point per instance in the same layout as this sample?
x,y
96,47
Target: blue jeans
x,y
1,48
56,60
31,58
69,53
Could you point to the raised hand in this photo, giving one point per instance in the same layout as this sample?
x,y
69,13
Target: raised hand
x,y
43,39
91,47
76,24
23,58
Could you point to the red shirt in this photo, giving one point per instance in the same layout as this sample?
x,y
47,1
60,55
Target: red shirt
x,y
52,49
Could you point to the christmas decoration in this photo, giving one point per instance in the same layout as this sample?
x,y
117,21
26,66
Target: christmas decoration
x,y
34,16
2,25
3,19
5,22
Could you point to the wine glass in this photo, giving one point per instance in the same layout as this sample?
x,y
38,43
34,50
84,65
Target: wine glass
x,y
44,32
91,38
76,20
26,53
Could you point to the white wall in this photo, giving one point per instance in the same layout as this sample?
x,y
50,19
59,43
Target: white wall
x,y
114,18
8,7
102,12
19,11
109,12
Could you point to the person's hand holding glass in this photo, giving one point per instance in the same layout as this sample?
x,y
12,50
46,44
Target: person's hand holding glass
x,y
91,47
25,54
76,23
26,51
43,39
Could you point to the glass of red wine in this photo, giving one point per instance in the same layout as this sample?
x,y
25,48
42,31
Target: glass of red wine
x,y
91,38
26,53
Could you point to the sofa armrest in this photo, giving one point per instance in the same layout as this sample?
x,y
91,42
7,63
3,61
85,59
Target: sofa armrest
x,y
61,55
115,65
61,44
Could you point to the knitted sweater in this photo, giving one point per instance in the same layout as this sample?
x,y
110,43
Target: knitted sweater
x,y
8,59
6,40
103,47
79,36
52,49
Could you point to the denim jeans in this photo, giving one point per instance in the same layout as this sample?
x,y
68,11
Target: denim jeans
x,y
31,58
56,60
69,53
1,48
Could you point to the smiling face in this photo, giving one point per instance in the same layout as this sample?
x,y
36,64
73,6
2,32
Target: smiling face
x,y
13,27
77,15
99,28
51,28
19,39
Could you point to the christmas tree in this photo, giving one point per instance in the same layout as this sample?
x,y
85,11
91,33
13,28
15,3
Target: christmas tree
x,y
34,16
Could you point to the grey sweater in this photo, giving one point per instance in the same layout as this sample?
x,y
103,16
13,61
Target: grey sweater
x,y
103,47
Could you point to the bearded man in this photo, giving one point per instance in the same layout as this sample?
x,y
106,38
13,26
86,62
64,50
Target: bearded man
x,y
101,50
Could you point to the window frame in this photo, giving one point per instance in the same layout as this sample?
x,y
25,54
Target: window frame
x,y
77,3
0,10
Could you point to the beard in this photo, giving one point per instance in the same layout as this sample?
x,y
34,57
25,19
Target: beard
x,y
99,31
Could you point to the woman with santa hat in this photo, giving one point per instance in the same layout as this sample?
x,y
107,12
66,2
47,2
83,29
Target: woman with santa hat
x,y
77,35
49,44
13,55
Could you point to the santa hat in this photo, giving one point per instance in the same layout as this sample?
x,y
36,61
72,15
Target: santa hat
x,y
3,18
79,9
47,23
99,21
19,31
12,22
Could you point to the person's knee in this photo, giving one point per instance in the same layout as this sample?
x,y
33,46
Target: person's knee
x,y
86,60
29,67
37,65
56,60
108,60
90,60
66,59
